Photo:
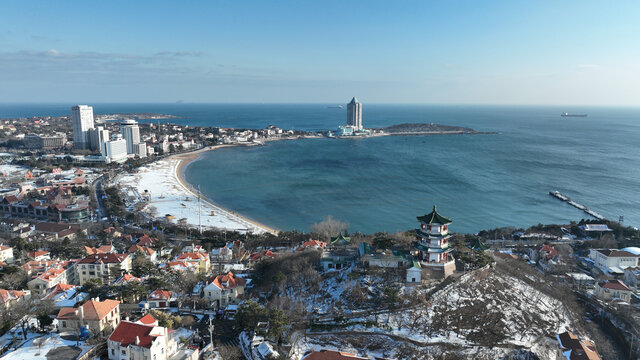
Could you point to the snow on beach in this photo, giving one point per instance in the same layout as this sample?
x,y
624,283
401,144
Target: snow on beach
x,y
171,197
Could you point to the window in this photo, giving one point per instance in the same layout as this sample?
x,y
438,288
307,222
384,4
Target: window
x,y
123,352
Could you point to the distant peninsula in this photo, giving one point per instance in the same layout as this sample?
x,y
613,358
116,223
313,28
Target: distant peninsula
x,y
425,129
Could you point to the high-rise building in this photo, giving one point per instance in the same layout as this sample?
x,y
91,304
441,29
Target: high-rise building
x,y
131,133
82,120
116,149
97,138
354,114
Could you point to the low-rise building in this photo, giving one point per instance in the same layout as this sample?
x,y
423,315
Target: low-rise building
x,y
201,259
161,299
133,340
97,316
612,261
224,290
103,267
62,272
571,347
6,254
613,290
39,255
9,298
147,252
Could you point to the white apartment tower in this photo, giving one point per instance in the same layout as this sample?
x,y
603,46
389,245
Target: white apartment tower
x,y
82,120
98,137
131,133
354,114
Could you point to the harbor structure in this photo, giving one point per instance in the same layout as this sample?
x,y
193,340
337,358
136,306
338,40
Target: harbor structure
x,y
354,114
433,243
82,122
131,133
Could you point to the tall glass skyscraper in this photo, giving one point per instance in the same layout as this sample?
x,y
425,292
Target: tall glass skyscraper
x,y
82,121
354,114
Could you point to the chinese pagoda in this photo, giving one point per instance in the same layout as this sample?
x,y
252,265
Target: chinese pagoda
x,y
433,242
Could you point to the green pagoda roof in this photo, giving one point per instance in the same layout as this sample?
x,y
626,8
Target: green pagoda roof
x,y
434,218
477,245
341,240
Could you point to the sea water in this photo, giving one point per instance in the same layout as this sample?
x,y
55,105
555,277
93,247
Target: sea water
x,y
383,183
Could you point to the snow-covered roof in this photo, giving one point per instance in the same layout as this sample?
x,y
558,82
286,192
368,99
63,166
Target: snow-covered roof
x,y
634,250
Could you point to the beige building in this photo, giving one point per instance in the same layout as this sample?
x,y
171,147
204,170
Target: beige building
x,y
6,254
224,290
62,272
97,316
104,267
613,290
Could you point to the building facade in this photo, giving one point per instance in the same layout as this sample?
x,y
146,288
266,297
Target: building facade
x,y
131,133
116,149
97,138
104,267
82,121
354,114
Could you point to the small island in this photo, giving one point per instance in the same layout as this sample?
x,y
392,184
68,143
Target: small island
x,y
425,129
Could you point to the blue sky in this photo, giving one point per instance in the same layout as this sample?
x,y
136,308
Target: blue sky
x,y
444,52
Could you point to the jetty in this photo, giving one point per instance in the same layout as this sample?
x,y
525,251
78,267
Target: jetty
x,y
558,195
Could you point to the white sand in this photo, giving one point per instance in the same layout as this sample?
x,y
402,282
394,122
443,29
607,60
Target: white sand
x,y
168,195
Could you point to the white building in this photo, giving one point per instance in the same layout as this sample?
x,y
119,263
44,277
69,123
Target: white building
x,y
97,138
613,261
82,121
140,149
116,149
131,133
354,114
138,340
6,254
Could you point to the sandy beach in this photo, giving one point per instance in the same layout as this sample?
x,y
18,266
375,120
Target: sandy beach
x,y
169,194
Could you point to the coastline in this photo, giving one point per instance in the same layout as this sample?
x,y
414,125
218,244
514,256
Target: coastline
x,y
186,159
162,185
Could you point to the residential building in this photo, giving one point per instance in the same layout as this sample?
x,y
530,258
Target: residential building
x,y
613,290
6,254
62,272
39,255
140,149
433,243
103,267
571,347
224,290
9,298
102,249
34,141
82,122
161,299
131,133
354,114
201,259
632,277
97,316
147,252
543,252
137,340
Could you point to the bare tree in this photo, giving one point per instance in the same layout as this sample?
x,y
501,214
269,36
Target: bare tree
x,y
329,228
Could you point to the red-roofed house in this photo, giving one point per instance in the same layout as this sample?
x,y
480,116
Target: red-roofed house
x,y
147,320
39,255
261,255
8,298
97,316
61,272
332,355
200,258
161,299
544,252
147,252
103,249
224,289
126,278
139,341
613,289
177,266
103,267
313,244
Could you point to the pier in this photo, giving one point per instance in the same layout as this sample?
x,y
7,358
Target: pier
x,y
558,195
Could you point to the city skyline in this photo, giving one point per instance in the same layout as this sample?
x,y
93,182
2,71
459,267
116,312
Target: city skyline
x,y
547,53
